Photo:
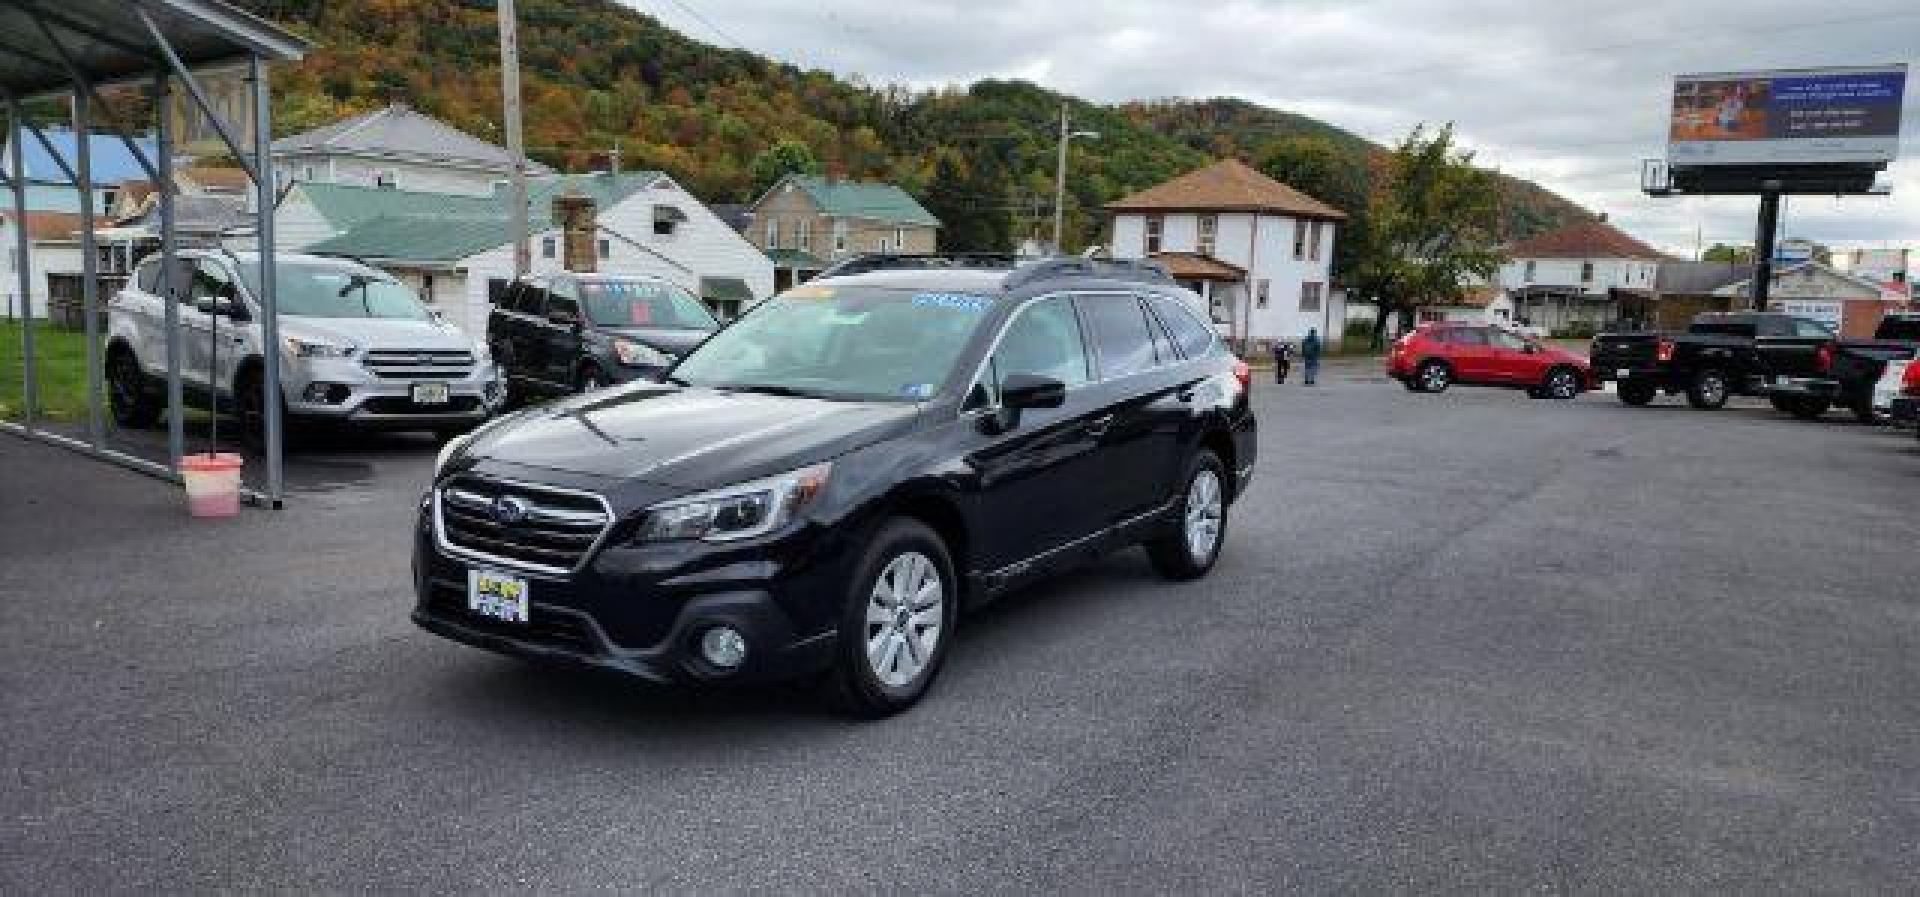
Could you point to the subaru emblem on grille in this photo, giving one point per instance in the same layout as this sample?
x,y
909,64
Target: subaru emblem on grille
x,y
509,510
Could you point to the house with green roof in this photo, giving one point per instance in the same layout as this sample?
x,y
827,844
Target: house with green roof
x,y
805,223
457,251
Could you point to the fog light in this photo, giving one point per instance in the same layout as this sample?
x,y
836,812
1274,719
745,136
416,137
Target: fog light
x,y
723,646
325,393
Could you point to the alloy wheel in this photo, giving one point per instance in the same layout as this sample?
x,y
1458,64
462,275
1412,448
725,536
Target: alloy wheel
x,y
1204,509
1562,385
905,618
1433,377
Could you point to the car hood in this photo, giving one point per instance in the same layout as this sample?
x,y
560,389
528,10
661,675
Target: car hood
x,y
687,437
674,342
375,333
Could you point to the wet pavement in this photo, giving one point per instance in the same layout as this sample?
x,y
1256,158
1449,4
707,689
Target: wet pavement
x,y
1456,642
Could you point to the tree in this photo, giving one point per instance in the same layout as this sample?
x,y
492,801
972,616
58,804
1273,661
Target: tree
x,y
1722,252
1431,226
781,159
970,199
1321,169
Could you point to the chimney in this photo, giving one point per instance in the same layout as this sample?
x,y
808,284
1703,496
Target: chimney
x,y
573,212
1603,218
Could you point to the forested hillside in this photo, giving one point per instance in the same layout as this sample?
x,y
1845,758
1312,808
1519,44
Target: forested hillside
x,y
598,75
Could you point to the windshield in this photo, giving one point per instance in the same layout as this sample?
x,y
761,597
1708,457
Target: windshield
x,y
644,304
336,290
861,343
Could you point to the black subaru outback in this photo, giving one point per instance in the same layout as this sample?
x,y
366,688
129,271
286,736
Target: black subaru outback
x,y
820,488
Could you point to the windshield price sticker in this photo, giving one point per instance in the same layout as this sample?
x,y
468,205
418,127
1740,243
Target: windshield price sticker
x,y
956,301
809,293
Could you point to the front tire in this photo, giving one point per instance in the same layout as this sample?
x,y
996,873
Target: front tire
x,y
1863,411
1561,384
1810,409
1433,376
1191,550
900,609
1637,392
134,406
1709,390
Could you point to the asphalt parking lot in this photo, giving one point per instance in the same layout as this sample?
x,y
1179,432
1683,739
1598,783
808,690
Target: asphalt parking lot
x,y
1457,642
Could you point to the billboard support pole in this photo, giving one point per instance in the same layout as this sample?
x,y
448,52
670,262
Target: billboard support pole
x,y
1763,246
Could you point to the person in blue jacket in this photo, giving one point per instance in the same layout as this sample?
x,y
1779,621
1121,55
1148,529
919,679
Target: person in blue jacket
x,y
1310,354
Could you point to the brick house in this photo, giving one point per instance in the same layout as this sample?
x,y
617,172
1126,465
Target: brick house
x,y
805,223
1258,250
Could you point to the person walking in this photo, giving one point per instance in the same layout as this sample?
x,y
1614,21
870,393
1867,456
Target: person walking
x,y
1310,354
1282,360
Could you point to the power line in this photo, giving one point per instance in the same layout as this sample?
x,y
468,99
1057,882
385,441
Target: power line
x,y
738,44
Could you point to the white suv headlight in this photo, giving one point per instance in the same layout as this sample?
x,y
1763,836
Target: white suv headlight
x,y
300,348
639,354
737,512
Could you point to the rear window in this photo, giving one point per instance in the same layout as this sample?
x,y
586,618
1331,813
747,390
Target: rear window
x,y
1193,337
1722,326
1466,336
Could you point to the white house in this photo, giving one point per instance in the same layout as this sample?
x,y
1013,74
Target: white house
x,y
53,247
395,147
457,250
1580,274
1258,250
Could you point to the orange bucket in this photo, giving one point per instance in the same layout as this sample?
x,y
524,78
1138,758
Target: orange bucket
x,y
213,484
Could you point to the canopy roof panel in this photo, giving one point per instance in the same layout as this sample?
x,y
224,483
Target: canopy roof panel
x,y
109,43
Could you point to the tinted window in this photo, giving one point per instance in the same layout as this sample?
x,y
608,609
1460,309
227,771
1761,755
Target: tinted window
x,y
148,277
1504,340
644,303
1898,327
1193,337
1466,336
1815,329
563,297
210,281
1118,328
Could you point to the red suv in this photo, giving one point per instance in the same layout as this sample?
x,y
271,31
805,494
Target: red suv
x,y
1441,354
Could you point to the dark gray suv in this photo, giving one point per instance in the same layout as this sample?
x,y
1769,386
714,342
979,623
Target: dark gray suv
x,y
567,333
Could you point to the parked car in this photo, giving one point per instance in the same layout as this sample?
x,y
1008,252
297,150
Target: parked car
x,y
1809,374
1716,358
1435,356
357,347
567,333
819,488
1897,392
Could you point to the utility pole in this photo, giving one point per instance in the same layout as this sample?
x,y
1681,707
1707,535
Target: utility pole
x,y
1060,179
510,95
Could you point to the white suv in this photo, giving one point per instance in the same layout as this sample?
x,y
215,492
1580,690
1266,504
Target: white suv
x,y
357,347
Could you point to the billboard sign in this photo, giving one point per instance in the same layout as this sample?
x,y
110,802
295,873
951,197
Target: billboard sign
x,y
1790,117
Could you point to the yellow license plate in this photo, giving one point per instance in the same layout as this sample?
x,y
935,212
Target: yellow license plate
x,y
497,595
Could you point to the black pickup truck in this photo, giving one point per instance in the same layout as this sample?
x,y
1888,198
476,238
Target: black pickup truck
x,y
1807,375
1716,358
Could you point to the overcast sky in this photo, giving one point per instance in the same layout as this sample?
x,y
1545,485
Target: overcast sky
x,y
1572,98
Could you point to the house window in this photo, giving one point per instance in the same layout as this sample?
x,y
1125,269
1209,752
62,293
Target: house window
x,y
1586,272
839,235
666,219
1313,241
1310,296
426,288
1209,226
1299,240
549,247
606,248
1156,226
306,173
899,239
773,233
1530,270
803,235
386,179
1261,294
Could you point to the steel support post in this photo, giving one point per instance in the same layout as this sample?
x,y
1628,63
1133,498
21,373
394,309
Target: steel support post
x,y
89,264
269,292
1763,248
29,380
171,292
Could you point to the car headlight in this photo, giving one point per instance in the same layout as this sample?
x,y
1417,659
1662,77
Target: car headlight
x,y
639,354
447,452
301,348
737,512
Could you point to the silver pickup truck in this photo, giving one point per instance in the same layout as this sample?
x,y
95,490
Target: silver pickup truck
x,y
357,347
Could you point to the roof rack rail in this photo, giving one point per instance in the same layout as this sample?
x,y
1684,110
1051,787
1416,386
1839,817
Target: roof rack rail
x,y
1138,270
895,261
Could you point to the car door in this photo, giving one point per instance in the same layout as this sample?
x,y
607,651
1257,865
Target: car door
x,y
503,322
1138,421
529,333
1513,359
560,328
1469,353
212,341
1033,478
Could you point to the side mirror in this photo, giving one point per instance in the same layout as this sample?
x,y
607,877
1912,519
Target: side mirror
x,y
1030,391
224,307
562,317
1532,347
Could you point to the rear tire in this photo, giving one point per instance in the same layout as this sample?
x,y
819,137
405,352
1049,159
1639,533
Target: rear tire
x,y
1194,545
1708,391
1433,376
1810,409
1637,392
1863,411
1780,403
903,594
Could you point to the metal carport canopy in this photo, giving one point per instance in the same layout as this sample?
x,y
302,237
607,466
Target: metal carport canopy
x,y
108,42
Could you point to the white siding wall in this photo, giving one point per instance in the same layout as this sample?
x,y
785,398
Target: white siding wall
x,y
1129,237
42,259
1263,245
360,172
1607,273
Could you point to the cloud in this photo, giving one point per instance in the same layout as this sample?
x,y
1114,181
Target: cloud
x,y
1570,95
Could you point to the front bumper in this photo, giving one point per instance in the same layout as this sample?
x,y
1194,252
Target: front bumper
x,y
641,611
343,391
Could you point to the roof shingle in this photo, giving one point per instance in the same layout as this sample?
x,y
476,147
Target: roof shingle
x,y
1590,239
1228,185
398,130
876,202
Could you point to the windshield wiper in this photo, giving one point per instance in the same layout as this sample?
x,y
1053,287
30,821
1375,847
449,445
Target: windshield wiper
x,y
773,389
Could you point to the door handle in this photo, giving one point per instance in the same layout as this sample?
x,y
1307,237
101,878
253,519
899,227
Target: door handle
x,y
1098,426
